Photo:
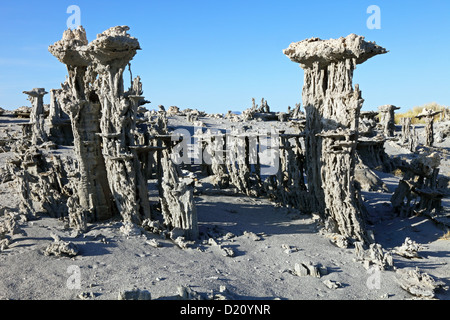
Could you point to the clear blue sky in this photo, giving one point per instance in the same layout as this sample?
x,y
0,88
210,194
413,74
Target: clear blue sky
x,y
216,55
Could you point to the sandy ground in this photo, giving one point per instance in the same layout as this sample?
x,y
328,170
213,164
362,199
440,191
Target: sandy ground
x,y
110,262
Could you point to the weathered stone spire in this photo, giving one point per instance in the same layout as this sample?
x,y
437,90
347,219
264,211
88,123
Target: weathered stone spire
x,y
429,115
104,120
387,119
332,108
36,97
79,100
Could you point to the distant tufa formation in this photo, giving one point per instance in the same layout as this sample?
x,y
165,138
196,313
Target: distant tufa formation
x,y
429,116
387,119
37,131
242,159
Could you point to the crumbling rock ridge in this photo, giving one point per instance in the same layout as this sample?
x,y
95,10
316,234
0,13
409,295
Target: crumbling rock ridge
x,y
332,108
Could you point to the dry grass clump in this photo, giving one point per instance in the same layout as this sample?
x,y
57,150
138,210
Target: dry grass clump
x,y
445,236
398,172
416,110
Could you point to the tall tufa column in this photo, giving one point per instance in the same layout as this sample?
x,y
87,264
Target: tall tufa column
x,y
58,122
332,108
429,115
78,99
387,119
111,53
36,97
96,85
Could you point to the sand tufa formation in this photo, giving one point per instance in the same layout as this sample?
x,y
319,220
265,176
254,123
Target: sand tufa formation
x,y
103,116
332,120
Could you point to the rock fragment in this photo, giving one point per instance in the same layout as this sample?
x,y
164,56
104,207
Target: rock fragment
x,y
135,294
61,248
374,256
227,252
331,284
289,249
418,283
304,269
86,295
187,293
130,230
253,236
409,249
153,243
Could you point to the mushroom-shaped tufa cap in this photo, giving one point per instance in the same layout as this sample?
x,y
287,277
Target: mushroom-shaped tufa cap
x,y
36,92
428,113
388,108
113,44
325,52
70,49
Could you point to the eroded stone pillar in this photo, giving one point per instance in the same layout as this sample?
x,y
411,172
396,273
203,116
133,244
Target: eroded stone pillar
x,y
36,97
111,53
387,119
58,122
429,115
109,113
406,130
81,103
332,111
